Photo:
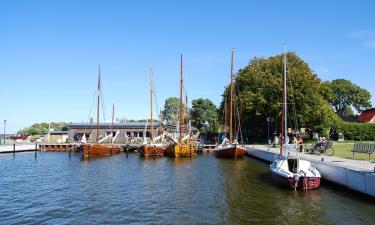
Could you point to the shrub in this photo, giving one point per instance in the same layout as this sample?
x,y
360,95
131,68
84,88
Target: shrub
x,y
356,131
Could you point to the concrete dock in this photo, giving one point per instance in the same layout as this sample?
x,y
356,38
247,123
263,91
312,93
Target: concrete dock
x,y
358,175
18,148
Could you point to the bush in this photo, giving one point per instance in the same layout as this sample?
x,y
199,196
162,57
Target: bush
x,y
356,131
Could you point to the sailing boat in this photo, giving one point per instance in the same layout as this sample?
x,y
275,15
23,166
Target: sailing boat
x,y
98,149
181,149
290,171
227,149
153,149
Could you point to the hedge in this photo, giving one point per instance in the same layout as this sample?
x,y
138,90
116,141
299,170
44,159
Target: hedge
x,y
356,131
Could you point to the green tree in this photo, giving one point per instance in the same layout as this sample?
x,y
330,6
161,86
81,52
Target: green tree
x,y
347,95
259,93
171,110
203,110
42,128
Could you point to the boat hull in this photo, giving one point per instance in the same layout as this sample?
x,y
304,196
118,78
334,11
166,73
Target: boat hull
x,y
181,150
303,182
99,150
151,150
230,152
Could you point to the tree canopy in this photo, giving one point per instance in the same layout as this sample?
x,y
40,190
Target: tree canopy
x,y
203,110
347,95
42,128
171,110
259,93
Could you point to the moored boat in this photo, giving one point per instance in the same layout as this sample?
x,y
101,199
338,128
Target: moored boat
x,y
229,151
291,171
90,150
98,149
295,173
152,149
182,148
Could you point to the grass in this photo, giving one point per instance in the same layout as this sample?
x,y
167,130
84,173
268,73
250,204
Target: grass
x,y
343,150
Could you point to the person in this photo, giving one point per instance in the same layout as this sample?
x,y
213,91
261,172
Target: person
x,y
321,141
275,141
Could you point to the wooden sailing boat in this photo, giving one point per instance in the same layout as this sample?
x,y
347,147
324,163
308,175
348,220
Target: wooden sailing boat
x,y
152,149
291,171
99,149
229,150
180,149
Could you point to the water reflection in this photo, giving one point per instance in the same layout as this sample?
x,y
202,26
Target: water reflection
x,y
202,190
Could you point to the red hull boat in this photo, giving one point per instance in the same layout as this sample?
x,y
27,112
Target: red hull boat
x,y
306,183
230,151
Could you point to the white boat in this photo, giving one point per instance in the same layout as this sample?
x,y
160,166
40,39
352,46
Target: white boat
x,y
287,170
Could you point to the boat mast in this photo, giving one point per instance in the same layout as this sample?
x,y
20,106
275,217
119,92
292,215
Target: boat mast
x,y
187,116
180,114
97,112
231,103
284,125
152,120
113,116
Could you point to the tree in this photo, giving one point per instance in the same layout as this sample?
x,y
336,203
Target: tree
x,y
259,92
42,128
347,95
203,110
171,110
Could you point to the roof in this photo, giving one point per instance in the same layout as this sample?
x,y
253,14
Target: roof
x,y
56,132
367,116
107,125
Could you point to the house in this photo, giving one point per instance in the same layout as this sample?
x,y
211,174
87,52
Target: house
x,y
367,116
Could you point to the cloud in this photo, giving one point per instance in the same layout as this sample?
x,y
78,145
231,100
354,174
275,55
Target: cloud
x,y
367,37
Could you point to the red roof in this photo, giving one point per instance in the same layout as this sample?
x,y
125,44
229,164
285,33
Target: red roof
x,y
367,116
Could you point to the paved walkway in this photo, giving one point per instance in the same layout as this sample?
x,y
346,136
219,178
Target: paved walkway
x,y
358,165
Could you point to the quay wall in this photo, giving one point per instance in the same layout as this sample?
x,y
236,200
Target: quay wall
x,y
358,180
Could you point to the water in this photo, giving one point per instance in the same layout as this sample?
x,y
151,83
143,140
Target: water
x,y
56,189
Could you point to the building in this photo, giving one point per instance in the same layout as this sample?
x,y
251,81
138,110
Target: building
x,y
56,136
367,116
128,131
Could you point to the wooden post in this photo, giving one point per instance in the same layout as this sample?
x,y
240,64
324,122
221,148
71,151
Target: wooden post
x,y
36,150
14,150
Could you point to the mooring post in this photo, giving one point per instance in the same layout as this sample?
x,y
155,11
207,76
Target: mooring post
x,y
14,150
36,149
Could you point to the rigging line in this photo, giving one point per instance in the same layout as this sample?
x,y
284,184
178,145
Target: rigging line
x,y
293,99
92,103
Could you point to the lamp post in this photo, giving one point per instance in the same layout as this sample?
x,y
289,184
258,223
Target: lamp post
x,y
5,124
268,130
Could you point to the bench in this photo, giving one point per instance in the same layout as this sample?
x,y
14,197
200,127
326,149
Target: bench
x,y
364,147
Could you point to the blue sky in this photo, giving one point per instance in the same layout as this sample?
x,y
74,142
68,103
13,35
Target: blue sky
x,y
49,50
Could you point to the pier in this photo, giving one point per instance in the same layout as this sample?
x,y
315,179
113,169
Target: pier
x,y
358,175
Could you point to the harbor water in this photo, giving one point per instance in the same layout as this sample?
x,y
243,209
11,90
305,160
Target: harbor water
x,y
56,189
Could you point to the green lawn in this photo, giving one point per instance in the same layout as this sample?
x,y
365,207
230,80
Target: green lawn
x,y
344,150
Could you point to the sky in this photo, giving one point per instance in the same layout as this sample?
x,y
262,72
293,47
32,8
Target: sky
x,y
50,50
